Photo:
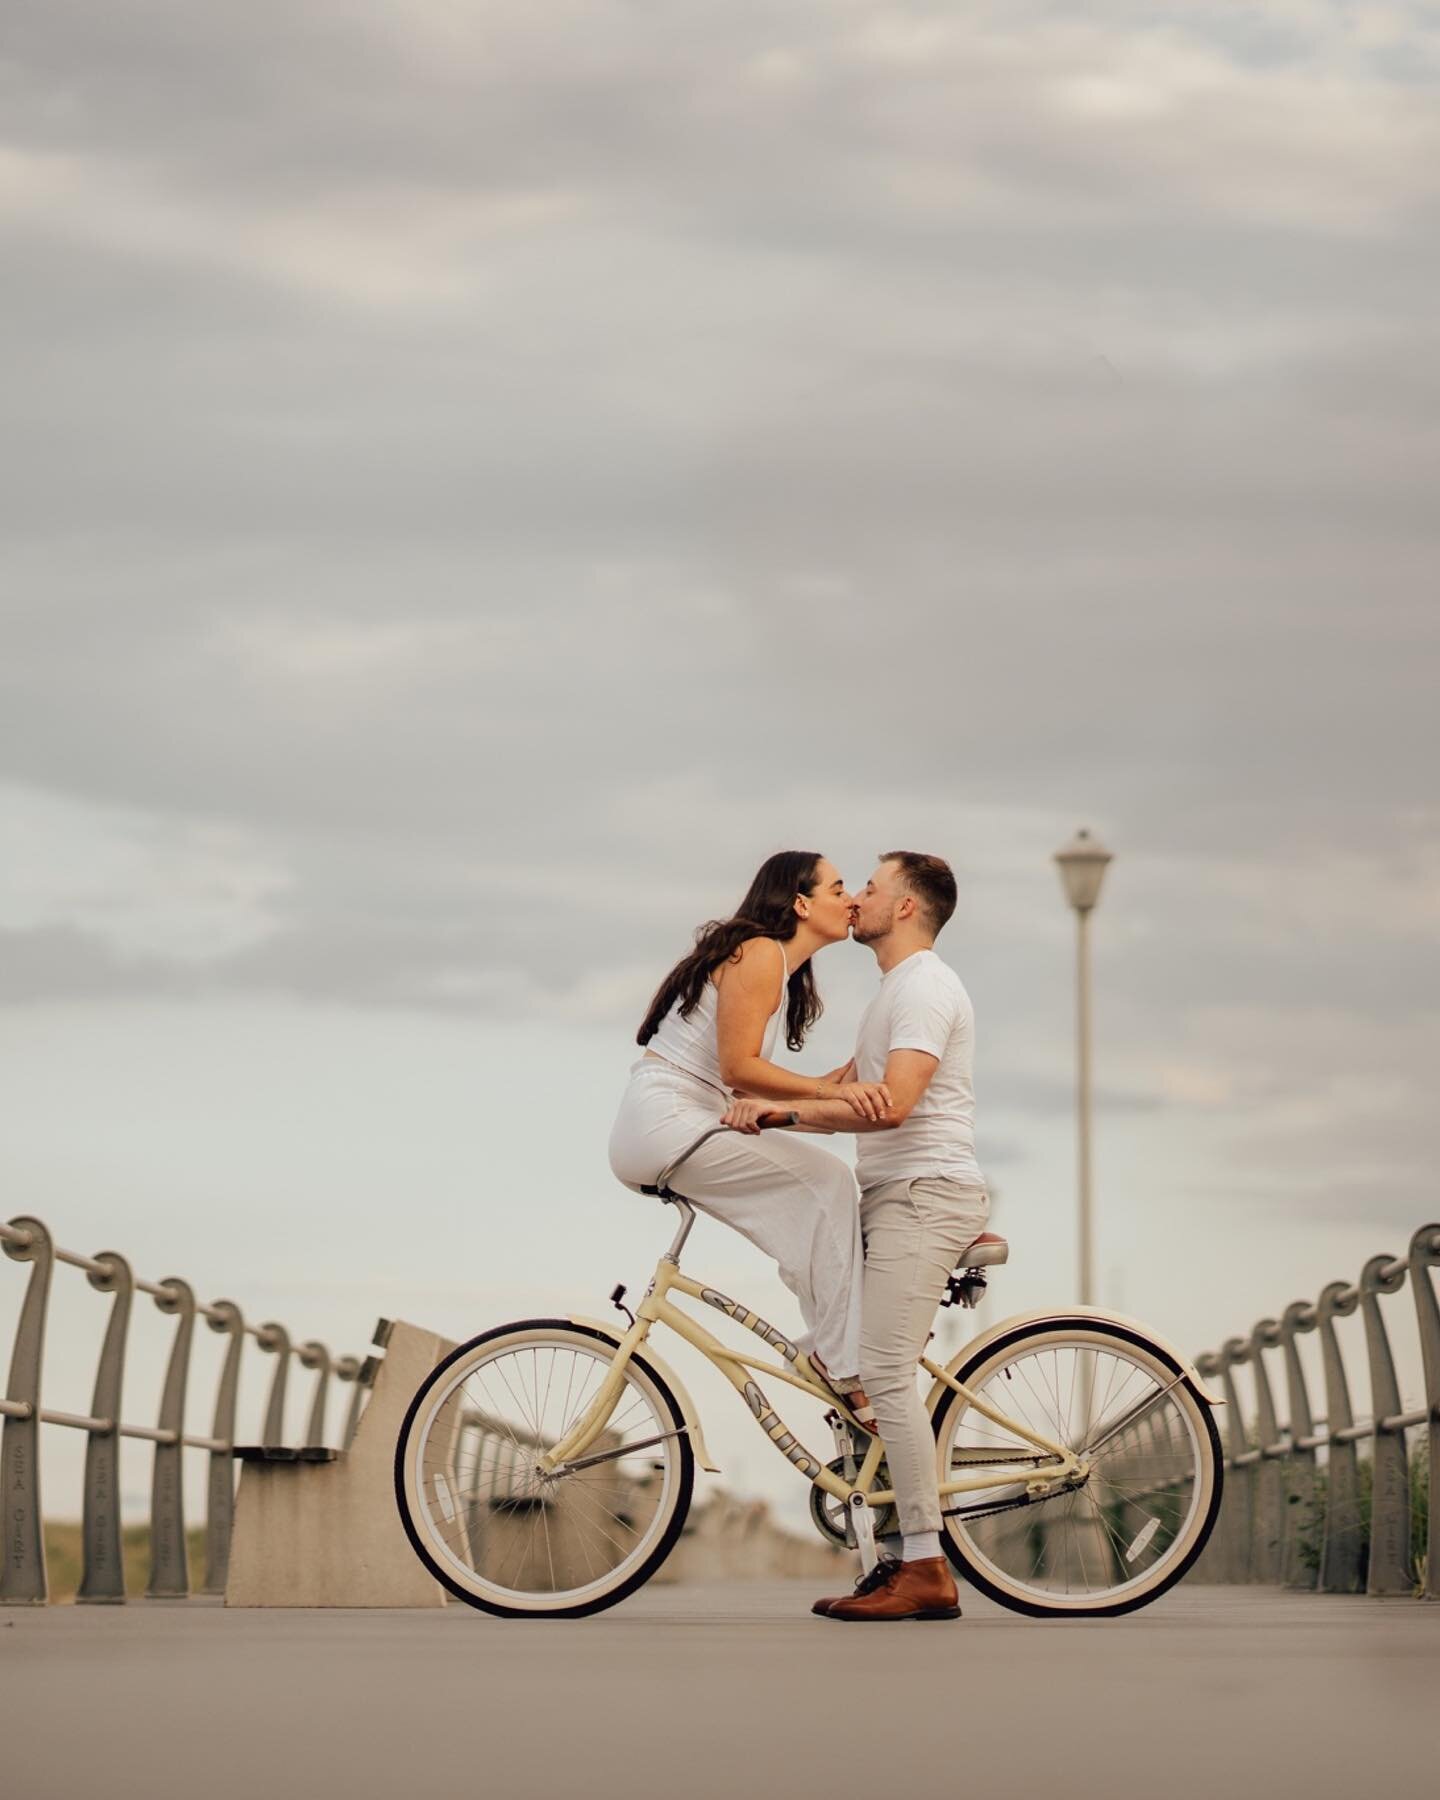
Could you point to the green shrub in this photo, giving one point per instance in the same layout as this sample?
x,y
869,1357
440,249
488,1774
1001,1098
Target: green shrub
x,y
1310,1507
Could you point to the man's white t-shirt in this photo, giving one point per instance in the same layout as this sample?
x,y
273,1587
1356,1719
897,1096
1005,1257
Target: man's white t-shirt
x,y
921,1005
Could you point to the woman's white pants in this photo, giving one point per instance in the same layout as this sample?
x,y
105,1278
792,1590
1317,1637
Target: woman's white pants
x,y
793,1200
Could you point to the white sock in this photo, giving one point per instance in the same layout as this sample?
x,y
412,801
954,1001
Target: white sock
x,y
919,1544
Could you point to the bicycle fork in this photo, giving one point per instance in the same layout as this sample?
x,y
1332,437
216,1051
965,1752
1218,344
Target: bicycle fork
x,y
596,1415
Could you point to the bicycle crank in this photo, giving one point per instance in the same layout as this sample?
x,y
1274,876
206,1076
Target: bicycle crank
x,y
829,1514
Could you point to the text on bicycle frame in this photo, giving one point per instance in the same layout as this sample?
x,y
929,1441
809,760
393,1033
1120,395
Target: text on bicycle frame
x,y
771,1423
751,1321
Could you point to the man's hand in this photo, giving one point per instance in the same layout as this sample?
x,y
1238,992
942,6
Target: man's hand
x,y
868,1099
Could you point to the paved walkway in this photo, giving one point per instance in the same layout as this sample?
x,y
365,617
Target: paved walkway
x,y
722,1692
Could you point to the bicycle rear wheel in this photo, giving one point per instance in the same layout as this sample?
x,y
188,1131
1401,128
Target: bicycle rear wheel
x,y
1133,1529
500,1532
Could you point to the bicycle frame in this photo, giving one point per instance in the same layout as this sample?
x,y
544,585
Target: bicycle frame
x,y
658,1309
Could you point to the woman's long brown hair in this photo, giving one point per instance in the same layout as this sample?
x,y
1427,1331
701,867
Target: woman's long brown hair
x,y
768,910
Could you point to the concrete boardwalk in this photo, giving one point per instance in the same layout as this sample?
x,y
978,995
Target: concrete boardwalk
x,y
718,1692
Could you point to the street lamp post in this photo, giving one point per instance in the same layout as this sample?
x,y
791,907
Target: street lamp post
x,y
1082,869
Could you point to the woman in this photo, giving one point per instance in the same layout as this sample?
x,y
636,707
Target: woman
x,y
709,1032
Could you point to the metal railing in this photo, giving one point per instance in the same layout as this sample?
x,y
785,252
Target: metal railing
x,y
23,1577
1287,1516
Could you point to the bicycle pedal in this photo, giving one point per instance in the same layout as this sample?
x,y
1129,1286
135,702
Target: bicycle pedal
x,y
860,1521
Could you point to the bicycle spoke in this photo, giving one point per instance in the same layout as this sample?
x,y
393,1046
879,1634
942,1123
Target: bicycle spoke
x,y
577,1493
1025,1374
623,1550
549,1382
549,1551
565,1414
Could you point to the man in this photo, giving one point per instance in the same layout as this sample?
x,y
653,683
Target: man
x,y
923,1203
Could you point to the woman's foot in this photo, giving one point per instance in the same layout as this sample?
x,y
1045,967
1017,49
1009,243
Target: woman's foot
x,y
855,1398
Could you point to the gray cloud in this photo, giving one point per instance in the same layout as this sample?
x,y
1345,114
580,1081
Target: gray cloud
x,y
506,476
57,962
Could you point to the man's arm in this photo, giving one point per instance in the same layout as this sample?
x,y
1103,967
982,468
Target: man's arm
x,y
907,1075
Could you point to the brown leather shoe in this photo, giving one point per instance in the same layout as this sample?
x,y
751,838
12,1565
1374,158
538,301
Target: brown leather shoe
x,y
867,1584
913,1590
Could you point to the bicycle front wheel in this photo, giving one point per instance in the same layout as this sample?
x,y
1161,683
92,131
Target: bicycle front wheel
x,y
1142,1516
501,1532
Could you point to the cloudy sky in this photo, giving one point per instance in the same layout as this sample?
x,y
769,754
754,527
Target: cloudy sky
x,y
478,478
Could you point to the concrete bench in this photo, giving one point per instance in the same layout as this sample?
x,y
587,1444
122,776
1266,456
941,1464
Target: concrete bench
x,y
319,1527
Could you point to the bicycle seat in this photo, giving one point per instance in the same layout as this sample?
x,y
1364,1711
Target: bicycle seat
x,y
987,1250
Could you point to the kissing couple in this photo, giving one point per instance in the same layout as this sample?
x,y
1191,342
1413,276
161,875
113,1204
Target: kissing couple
x,y
866,1252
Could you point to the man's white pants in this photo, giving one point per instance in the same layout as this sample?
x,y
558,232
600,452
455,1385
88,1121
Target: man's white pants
x,y
915,1233
793,1200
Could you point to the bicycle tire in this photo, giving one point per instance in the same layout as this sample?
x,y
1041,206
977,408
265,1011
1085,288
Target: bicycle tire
x,y
666,1528
956,1546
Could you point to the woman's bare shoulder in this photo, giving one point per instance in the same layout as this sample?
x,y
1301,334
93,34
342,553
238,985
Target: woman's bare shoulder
x,y
758,959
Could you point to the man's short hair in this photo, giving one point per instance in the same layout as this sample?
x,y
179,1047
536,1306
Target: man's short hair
x,y
931,881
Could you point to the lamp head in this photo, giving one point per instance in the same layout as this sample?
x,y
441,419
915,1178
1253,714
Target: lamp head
x,y
1082,868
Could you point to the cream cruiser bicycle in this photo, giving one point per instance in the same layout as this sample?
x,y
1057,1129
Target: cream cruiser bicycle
x,y
545,1468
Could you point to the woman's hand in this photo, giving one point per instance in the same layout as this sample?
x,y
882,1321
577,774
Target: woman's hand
x,y
870,1099
746,1115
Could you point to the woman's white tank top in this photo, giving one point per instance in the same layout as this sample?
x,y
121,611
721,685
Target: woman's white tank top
x,y
692,1044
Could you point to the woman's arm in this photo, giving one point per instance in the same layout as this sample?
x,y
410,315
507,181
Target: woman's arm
x,y
907,1075
748,986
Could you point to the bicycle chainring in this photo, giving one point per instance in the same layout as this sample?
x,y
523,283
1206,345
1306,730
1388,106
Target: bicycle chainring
x,y
828,1513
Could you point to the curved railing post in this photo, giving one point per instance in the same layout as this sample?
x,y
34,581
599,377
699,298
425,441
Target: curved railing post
x,y
315,1356
1423,1256
23,1579
1269,1485
348,1369
1342,1553
1391,1570
223,1316
102,1582
276,1339
1296,1571
1241,1477
169,1560
23,1574
362,1377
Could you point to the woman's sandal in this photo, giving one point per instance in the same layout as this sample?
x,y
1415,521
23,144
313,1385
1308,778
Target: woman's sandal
x,y
863,1413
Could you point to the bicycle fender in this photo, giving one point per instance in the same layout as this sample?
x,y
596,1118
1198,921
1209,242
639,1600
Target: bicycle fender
x,y
671,1380
1055,1315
